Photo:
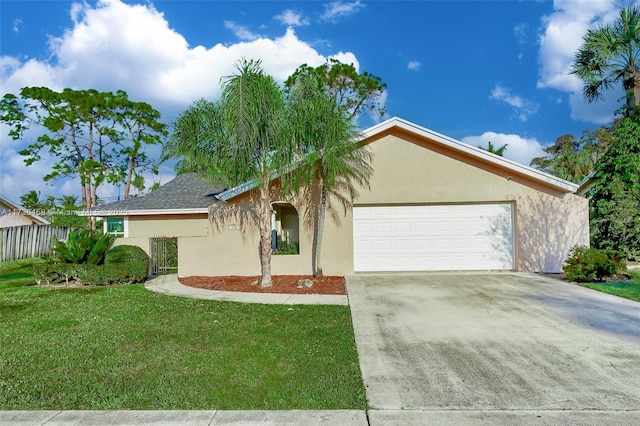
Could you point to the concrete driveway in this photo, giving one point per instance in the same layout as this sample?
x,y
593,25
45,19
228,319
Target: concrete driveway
x,y
508,345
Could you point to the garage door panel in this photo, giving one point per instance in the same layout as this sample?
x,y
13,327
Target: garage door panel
x,y
433,237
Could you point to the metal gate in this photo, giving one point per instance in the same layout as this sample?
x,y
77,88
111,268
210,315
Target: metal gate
x,y
164,255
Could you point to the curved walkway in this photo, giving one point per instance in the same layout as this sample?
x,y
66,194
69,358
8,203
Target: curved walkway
x,y
169,284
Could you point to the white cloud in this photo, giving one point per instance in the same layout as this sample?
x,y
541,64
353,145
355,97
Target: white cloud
x,y
336,10
113,45
292,18
414,65
520,149
523,108
17,26
561,38
241,31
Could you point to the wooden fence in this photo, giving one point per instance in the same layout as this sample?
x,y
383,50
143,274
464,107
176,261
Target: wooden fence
x,y
21,242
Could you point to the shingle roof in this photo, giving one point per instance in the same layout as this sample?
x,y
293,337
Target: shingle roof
x,y
188,193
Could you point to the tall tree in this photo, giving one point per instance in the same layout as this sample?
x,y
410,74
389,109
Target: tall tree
x,y
573,159
90,134
494,149
355,92
615,194
139,125
333,163
242,138
610,54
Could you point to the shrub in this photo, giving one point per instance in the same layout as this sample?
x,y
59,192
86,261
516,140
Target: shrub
x,y
113,273
82,247
122,265
109,273
586,264
124,253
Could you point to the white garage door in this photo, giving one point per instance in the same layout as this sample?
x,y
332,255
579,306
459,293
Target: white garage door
x,y
433,237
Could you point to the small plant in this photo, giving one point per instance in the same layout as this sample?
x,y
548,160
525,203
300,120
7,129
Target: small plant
x,y
83,247
288,248
586,264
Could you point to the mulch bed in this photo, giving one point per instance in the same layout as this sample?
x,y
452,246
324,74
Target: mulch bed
x,y
281,284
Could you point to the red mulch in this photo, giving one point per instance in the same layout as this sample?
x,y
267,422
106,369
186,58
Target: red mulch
x,y
281,284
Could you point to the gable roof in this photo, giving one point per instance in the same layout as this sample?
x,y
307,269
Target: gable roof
x,y
394,124
186,194
21,210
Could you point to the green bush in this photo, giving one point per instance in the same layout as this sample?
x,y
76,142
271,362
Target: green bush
x,y
124,253
122,265
109,273
586,264
113,273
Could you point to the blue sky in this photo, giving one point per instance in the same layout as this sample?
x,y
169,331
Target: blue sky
x,y
477,71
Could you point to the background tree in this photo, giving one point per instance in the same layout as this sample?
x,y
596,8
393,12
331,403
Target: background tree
x,y
44,208
90,133
609,55
354,92
573,159
333,164
242,138
139,126
494,149
65,213
615,194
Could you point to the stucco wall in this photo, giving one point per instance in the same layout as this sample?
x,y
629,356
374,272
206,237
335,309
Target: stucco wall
x,y
193,225
548,222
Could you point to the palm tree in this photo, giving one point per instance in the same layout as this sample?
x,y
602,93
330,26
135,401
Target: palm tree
x,y
333,163
609,55
494,149
241,138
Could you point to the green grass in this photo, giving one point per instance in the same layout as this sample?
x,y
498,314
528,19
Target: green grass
x,y
128,348
17,273
628,289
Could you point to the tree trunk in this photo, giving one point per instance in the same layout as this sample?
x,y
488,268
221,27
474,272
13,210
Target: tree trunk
x,y
318,240
127,185
265,238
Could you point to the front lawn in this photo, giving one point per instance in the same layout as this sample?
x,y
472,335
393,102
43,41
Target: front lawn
x,y
17,273
628,289
127,348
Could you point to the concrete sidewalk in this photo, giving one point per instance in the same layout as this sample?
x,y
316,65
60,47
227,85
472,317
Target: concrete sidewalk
x,y
184,418
319,418
169,284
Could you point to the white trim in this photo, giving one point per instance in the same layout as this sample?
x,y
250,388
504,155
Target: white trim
x,y
471,150
124,213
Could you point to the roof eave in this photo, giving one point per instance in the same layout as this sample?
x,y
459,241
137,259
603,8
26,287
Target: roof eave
x,y
142,212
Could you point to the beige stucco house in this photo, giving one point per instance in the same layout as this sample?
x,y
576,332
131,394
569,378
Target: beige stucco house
x,y
13,213
434,203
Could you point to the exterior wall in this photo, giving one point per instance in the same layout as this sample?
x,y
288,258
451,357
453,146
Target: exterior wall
x,y
193,225
547,222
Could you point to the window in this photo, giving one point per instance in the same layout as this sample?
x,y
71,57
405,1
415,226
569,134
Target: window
x,y
115,226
